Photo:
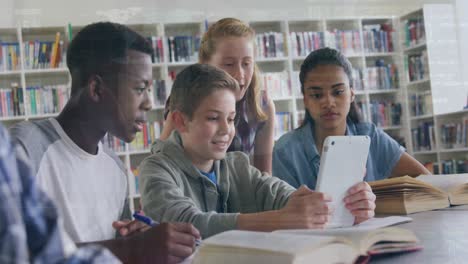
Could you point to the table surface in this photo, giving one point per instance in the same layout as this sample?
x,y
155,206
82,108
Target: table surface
x,y
443,234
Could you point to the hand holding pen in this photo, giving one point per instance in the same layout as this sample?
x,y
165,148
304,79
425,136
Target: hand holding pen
x,y
150,222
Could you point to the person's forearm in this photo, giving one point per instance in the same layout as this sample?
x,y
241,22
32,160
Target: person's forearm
x,y
265,221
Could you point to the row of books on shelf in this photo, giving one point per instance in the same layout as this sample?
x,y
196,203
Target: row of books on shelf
x,y
276,84
47,99
158,49
423,137
9,56
114,143
382,113
346,41
453,166
143,139
420,103
283,123
454,135
380,77
11,101
183,48
378,38
417,66
44,54
302,43
160,93
147,136
414,31
270,45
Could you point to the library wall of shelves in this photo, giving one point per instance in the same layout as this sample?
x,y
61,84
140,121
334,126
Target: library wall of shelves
x,y
391,58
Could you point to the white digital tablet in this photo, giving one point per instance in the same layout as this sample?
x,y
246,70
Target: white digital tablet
x,y
342,165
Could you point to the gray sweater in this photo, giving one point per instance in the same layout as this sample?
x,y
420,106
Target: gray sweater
x,y
174,190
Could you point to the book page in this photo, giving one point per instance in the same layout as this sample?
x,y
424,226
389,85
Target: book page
x,y
275,242
355,234
445,182
371,224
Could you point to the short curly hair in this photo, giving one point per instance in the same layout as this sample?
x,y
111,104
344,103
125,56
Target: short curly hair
x,y
97,46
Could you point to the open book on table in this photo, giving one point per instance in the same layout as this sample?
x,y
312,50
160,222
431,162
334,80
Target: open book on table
x,y
299,246
406,195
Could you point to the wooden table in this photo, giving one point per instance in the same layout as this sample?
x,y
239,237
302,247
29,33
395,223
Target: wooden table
x,y
443,233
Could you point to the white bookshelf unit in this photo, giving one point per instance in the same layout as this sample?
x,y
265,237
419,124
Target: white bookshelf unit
x,y
436,119
280,71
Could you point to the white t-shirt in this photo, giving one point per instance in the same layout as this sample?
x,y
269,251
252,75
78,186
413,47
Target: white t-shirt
x,y
89,190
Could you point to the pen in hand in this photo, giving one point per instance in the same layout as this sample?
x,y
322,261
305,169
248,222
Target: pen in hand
x,y
147,220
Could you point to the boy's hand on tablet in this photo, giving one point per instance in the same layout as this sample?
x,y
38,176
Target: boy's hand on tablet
x,y
306,209
361,202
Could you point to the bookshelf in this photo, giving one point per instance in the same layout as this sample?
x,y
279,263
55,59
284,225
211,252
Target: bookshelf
x,y
381,81
436,121
279,66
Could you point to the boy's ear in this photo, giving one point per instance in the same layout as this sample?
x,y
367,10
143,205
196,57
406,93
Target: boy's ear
x,y
180,121
94,88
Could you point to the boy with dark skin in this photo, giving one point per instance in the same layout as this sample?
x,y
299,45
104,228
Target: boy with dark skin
x,y
111,72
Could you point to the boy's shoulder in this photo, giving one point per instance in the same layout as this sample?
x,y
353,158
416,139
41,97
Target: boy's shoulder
x,y
237,162
34,135
34,131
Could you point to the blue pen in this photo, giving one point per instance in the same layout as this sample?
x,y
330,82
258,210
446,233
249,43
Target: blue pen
x,y
147,220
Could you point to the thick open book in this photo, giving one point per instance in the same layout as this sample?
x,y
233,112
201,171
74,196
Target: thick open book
x,y
406,195
299,246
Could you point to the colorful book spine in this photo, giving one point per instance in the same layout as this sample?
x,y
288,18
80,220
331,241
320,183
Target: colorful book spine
x,y
49,99
276,84
417,66
381,77
421,103
385,113
303,43
378,38
346,41
143,139
183,48
454,166
44,54
160,93
423,137
454,134
270,45
158,50
11,101
414,31
9,56
114,143
283,124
